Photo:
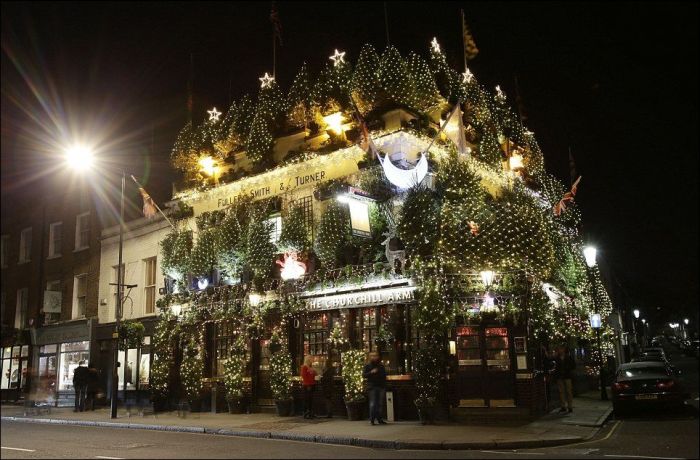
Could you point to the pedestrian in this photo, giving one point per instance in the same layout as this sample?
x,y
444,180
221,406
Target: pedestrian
x,y
80,383
93,385
375,373
564,373
308,380
327,387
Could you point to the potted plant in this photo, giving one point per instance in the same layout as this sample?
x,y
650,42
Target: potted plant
x,y
426,372
233,381
281,382
353,362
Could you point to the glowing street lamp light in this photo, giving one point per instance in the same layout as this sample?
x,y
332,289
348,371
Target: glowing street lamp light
x,y
79,157
686,321
636,313
589,252
644,321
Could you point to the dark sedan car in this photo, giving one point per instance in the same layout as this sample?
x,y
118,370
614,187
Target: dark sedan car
x,y
646,383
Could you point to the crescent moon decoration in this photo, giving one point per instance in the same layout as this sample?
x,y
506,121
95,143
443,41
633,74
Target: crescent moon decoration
x,y
404,178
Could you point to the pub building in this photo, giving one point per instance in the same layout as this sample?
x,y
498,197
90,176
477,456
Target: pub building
x,y
489,366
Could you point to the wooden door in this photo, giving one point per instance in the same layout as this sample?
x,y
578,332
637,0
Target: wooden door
x,y
499,376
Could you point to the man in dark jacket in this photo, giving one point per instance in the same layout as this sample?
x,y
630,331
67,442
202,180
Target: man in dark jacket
x,y
375,374
93,385
327,387
564,374
80,382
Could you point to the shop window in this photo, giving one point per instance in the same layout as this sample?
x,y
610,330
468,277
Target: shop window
x,y
135,366
21,309
14,366
46,372
69,357
497,348
55,239
82,231
316,339
149,282
79,296
25,245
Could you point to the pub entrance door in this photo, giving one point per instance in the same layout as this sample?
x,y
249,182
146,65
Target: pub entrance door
x,y
485,376
261,366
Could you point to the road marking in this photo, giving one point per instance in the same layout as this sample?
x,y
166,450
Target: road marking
x,y
17,448
644,456
111,458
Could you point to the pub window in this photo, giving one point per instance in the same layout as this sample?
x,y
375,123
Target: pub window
x,y
306,204
497,345
316,339
275,223
366,324
226,334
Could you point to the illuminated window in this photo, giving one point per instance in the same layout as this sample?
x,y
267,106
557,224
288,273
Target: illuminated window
x,y
52,302
275,223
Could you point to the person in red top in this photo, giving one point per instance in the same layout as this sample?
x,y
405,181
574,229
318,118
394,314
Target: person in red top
x,y
308,381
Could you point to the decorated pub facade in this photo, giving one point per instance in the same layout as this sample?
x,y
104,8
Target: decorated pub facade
x,y
396,207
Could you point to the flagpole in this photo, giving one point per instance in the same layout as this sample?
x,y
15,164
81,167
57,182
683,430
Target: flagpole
x,y
464,44
154,203
386,25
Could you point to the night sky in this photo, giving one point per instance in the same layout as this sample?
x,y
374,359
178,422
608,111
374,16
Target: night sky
x,y
615,83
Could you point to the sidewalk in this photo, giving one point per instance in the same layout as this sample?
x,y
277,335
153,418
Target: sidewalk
x,y
552,429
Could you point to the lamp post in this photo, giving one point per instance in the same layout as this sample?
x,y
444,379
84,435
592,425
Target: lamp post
x,y
635,312
589,253
80,158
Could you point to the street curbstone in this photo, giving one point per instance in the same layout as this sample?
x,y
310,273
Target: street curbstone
x,y
330,439
460,445
418,445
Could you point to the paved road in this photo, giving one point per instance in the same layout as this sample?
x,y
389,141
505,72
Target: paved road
x,y
642,435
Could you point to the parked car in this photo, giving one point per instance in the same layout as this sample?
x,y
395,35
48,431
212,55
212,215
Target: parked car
x,y
695,348
659,350
646,383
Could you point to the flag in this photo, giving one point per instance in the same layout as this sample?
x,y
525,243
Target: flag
x,y
567,198
149,206
470,49
276,24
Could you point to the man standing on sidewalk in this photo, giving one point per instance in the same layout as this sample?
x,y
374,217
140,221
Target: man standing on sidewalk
x,y
80,382
375,374
564,374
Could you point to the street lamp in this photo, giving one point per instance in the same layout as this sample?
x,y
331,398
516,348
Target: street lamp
x,y
596,324
80,158
487,278
636,313
686,321
589,253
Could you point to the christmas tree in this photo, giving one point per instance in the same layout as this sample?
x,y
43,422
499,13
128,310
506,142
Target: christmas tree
x,y
260,141
242,120
204,255
333,234
394,78
364,85
425,93
295,235
299,99
259,251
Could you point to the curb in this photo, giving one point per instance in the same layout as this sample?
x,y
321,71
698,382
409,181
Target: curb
x,y
320,439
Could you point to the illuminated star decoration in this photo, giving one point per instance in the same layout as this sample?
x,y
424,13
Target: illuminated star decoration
x,y
337,58
214,114
435,45
266,81
467,76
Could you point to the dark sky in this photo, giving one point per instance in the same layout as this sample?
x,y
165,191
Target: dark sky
x,y
615,82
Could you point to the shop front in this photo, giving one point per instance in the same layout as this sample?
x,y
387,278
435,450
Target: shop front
x,y
59,351
134,369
